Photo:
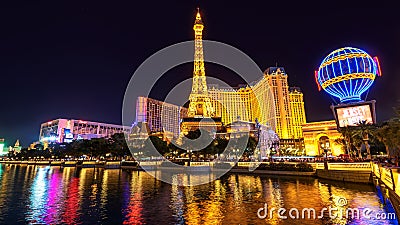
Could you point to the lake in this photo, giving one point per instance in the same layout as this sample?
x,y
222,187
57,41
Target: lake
x,y
32,194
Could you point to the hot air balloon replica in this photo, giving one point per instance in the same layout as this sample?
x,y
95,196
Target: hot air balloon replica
x,y
347,73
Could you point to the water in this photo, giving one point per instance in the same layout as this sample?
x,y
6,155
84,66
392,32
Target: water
x,y
52,195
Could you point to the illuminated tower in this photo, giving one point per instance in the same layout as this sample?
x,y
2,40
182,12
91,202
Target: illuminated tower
x,y
200,103
200,112
296,103
277,79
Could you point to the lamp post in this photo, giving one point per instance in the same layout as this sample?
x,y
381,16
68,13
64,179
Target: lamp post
x,y
190,156
235,151
326,156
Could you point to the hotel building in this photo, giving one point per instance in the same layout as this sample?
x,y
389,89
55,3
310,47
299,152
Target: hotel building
x,y
66,130
298,115
269,100
2,152
289,104
248,103
160,116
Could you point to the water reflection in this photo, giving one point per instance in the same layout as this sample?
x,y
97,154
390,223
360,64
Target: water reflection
x,y
54,195
38,196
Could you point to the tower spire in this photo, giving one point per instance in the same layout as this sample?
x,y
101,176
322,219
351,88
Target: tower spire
x,y
200,104
198,17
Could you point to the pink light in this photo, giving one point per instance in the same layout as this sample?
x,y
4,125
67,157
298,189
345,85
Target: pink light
x,y
316,80
81,121
376,60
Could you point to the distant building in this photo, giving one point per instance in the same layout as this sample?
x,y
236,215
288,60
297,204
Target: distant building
x,y
321,135
2,152
160,116
16,149
66,130
298,115
139,134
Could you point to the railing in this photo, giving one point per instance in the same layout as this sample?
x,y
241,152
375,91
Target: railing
x,y
390,176
150,163
201,163
364,166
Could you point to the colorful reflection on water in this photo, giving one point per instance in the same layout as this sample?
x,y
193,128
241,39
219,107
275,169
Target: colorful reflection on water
x,y
54,195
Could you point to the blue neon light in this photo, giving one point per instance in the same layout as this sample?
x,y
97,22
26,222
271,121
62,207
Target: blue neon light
x,y
347,62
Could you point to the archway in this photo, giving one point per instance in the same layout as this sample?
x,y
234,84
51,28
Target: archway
x,y
323,143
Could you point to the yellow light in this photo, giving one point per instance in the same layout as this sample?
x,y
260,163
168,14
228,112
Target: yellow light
x,y
347,77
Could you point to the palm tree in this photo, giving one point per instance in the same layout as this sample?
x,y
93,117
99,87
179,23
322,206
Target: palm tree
x,y
386,135
364,131
357,142
389,133
347,133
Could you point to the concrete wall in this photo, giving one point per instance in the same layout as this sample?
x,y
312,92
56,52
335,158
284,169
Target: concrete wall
x,y
346,176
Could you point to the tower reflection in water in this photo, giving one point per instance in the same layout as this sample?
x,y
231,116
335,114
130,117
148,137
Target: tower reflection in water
x,y
53,195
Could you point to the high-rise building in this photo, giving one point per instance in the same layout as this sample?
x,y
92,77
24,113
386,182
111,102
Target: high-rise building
x,y
296,105
2,152
250,103
277,79
289,109
160,116
66,130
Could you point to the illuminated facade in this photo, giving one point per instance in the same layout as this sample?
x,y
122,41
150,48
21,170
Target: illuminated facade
x,y
289,105
2,153
250,103
66,130
16,149
298,115
160,116
277,79
139,133
322,135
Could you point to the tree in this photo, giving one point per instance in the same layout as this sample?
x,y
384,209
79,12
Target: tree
x,y
389,133
154,142
347,133
118,145
364,131
250,146
201,136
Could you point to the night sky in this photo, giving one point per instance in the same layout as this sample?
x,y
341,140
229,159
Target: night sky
x,y
74,59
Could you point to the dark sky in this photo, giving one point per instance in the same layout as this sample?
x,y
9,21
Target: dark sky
x,y
73,59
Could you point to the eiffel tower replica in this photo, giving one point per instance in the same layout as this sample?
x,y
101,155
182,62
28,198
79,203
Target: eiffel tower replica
x,y
201,113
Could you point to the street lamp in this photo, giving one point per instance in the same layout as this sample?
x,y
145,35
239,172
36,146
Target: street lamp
x,y
190,156
326,156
